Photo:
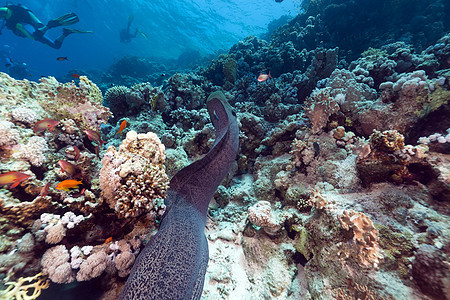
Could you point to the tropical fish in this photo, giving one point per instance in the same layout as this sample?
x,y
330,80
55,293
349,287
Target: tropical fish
x,y
94,136
316,149
108,240
68,184
61,58
122,126
97,151
76,195
263,77
13,178
44,190
77,152
45,124
75,76
69,168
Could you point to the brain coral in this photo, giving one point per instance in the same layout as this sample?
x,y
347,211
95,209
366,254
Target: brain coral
x,y
133,178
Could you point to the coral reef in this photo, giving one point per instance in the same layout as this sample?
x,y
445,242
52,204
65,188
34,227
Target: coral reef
x,y
340,190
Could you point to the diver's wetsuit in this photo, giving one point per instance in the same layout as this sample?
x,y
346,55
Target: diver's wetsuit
x,y
22,22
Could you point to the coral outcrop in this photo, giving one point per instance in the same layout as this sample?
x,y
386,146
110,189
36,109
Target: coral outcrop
x,y
133,179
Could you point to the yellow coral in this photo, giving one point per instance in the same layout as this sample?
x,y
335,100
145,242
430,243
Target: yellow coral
x,y
91,89
388,141
432,101
26,288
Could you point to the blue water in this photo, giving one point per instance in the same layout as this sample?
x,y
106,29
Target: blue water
x,y
172,28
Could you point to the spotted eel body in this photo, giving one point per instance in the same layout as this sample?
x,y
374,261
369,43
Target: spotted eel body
x,y
173,263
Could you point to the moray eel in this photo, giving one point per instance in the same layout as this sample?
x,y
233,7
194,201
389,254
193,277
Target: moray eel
x,y
173,263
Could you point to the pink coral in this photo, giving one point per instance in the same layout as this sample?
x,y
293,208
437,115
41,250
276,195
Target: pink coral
x,y
93,266
55,263
365,236
261,215
124,262
133,178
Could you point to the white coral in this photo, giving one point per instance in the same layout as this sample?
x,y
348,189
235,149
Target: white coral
x,y
261,215
55,233
34,151
24,115
8,134
55,263
93,266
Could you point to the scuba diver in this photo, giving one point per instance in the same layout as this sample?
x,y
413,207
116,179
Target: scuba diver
x,y
125,34
22,22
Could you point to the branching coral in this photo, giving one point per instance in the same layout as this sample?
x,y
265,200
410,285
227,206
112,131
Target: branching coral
x,y
28,288
24,115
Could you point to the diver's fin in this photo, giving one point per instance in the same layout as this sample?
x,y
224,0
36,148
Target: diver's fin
x,y
67,31
65,20
142,33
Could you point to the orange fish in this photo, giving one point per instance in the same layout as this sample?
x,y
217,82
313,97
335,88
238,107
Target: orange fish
x,y
263,77
13,178
45,124
44,190
75,76
94,136
108,240
69,168
68,184
61,58
122,126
